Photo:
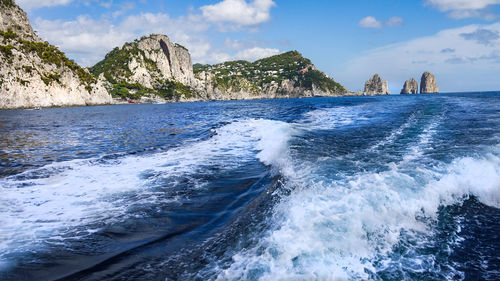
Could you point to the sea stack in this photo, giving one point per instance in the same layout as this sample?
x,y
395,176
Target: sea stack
x,y
375,86
410,87
428,84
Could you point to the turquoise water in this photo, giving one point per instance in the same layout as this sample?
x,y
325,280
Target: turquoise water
x,y
354,188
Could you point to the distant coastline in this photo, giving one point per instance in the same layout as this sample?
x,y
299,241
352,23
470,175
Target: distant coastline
x,y
149,70
152,69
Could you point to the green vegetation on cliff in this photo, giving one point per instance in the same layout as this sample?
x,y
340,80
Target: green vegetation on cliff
x,y
290,66
49,54
7,3
115,63
285,74
115,68
170,90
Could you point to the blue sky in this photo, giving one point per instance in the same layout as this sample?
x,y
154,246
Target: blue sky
x,y
457,40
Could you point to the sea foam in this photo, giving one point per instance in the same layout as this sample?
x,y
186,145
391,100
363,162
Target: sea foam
x,y
52,201
346,228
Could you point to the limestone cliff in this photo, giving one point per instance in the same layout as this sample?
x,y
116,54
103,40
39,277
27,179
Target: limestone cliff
x,y
150,67
410,87
14,18
428,84
376,86
153,67
34,73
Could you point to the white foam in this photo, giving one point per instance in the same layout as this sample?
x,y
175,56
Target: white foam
x,y
417,150
334,230
395,133
83,192
333,117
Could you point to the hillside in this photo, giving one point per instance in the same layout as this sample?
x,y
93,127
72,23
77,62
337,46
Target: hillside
x,y
154,69
287,74
34,73
150,68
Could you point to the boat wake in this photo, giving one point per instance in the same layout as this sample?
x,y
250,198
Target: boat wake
x,y
369,223
73,200
351,192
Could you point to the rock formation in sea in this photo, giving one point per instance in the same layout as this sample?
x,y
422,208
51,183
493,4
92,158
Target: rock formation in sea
x,y
410,87
428,83
376,86
34,73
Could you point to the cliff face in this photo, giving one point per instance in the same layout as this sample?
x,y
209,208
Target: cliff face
x,y
410,87
34,73
428,84
154,68
376,86
147,61
14,18
149,68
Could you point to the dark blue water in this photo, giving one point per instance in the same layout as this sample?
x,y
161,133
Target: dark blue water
x,y
354,188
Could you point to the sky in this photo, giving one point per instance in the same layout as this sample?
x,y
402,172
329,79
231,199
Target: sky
x,y
349,40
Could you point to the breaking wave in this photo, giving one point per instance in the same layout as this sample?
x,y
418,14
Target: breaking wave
x,y
348,228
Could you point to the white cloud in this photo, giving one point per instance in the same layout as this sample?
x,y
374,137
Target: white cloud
x,y
370,22
187,31
450,5
106,4
482,36
249,50
235,44
84,38
460,58
394,21
123,8
239,12
34,4
87,39
239,44
217,57
255,53
248,54
30,4
459,9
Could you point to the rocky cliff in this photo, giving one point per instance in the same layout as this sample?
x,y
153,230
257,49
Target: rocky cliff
x,y
428,84
149,68
34,73
410,87
14,18
376,86
153,68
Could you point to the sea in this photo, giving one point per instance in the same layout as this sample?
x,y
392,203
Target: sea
x,y
349,188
